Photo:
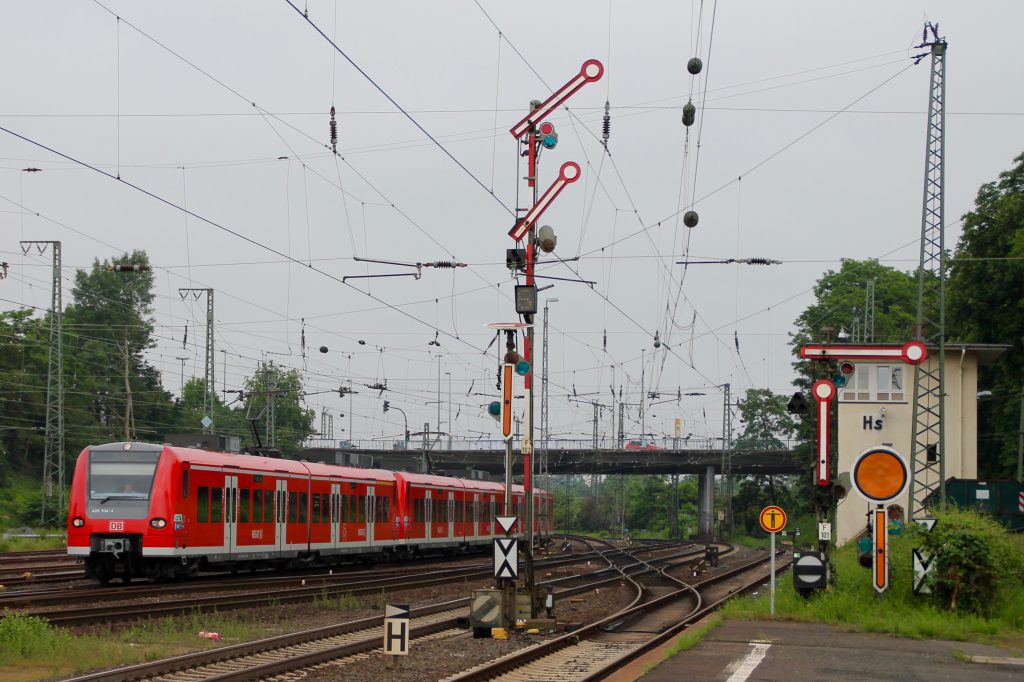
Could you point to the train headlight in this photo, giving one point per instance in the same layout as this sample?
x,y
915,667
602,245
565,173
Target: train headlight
x,y
78,522
158,523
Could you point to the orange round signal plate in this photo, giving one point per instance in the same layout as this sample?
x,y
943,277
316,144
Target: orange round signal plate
x,y
880,474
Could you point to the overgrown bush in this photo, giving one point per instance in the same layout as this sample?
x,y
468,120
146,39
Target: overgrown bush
x,y
974,561
23,636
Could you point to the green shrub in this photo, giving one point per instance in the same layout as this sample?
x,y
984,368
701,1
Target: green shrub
x,y
975,562
23,636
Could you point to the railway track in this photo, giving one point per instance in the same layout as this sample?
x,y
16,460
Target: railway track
x,y
157,601
277,656
596,650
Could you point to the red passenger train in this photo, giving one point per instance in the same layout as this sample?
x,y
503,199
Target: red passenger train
x,y
158,511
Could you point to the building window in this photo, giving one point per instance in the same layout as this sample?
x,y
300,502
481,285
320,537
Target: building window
x,y
875,383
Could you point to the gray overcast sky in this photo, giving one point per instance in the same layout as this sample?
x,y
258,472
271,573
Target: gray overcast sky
x,y
89,86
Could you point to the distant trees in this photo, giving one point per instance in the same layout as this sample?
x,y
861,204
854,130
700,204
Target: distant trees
x,y
984,305
112,391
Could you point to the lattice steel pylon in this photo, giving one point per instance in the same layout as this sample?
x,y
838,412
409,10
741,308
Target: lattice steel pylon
x,y
209,398
53,453
868,333
928,457
727,456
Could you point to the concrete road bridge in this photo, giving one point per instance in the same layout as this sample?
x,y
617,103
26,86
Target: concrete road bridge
x,y
482,459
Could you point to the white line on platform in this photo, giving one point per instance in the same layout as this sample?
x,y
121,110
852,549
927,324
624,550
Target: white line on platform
x,y
750,662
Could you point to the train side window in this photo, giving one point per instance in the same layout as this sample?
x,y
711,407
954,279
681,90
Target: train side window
x,y
361,509
316,508
387,510
293,506
203,505
216,504
257,506
243,505
303,504
268,506
184,483
353,502
344,508
417,513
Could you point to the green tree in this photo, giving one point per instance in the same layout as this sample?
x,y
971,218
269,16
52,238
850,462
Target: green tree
x,y
292,422
111,390
984,306
766,423
24,344
840,296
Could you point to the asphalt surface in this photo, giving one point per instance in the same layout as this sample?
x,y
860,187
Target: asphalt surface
x,y
761,651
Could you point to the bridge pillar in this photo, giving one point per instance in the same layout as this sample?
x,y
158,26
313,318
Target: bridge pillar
x,y
706,502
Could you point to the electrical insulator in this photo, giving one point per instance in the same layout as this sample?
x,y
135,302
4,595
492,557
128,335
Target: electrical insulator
x,y
131,267
690,218
334,132
694,66
657,339
607,125
689,114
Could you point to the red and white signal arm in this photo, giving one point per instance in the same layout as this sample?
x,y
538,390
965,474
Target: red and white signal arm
x,y
911,352
823,391
569,173
591,71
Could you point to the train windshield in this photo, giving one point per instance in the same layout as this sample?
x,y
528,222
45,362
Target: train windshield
x,y
115,477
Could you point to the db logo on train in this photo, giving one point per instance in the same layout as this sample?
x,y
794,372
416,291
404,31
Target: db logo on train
x,y
116,526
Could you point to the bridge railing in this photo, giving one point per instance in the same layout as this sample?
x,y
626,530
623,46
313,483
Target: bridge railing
x,y
553,444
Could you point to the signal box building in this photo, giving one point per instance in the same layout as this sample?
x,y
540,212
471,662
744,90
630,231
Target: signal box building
x,y
876,407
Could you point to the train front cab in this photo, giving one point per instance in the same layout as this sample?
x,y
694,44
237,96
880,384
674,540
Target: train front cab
x,y
117,500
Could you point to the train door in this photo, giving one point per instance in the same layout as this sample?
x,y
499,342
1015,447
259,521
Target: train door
x,y
428,514
370,514
451,514
231,513
281,515
475,526
335,514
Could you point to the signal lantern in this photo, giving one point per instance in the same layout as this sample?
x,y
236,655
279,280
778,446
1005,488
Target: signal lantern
x,y
546,239
548,136
797,404
846,368
512,357
494,409
522,368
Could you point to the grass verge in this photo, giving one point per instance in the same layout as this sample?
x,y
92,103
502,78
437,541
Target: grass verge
x,y
851,603
688,639
33,649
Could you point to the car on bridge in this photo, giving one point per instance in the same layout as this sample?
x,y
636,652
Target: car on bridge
x,y
641,445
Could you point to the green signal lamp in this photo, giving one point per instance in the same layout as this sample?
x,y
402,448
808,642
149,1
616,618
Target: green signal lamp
x,y
494,409
522,368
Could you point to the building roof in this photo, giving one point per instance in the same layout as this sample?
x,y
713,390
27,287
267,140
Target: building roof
x,y
987,353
